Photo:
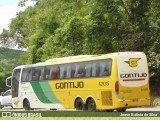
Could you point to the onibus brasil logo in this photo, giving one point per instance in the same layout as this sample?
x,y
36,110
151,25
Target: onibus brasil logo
x,y
133,62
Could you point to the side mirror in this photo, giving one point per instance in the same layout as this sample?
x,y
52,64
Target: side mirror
x,y
9,81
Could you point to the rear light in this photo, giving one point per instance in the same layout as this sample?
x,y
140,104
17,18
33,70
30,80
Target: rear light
x,y
117,87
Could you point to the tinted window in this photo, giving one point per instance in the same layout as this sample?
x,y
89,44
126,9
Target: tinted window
x,y
37,73
25,75
47,72
63,72
68,70
79,70
16,74
55,72
105,67
95,68
88,69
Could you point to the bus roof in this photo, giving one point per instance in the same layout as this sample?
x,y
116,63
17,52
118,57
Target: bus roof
x,y
126,53
69,58
21,66
78,58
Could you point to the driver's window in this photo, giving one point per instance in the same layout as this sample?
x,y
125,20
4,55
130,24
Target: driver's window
x,y
16,74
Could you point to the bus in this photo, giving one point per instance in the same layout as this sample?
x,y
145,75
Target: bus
x,y
107,82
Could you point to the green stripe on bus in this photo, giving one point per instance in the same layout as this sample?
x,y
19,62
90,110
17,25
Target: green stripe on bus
x,y
48,92
39,92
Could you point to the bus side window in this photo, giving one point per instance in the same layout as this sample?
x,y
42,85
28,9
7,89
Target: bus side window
x,y
88,69
95,69
108,66
36,73
47,73
58,72
73,69
105,68
79,70
39,74
62,71
30,74
53,74
68,70
76,70
25,75
42,74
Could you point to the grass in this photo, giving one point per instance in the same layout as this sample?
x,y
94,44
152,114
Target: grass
x,y
66,115
80,113
85,118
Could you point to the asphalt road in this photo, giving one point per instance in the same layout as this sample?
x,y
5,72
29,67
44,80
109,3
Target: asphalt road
x,y
156,108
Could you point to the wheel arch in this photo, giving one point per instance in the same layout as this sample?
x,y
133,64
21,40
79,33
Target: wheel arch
x,y
24,99
87,101
78,97
90,97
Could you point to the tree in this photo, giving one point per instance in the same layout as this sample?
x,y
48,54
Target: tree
x,y
5,35
22,3
54,28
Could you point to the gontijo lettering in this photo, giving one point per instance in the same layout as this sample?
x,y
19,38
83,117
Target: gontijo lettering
x,y
66,85
133,75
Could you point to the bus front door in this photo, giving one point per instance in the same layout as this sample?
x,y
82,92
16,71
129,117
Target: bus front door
x,y
15,87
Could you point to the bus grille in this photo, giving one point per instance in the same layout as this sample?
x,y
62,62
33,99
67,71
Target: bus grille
x,y
106,98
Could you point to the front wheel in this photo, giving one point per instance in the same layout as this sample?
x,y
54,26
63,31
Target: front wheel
x,y
26,105
91,105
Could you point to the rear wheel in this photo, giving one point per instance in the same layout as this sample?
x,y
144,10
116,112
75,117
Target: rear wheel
x,y
26,104
91,105
107,110
79,105
121,110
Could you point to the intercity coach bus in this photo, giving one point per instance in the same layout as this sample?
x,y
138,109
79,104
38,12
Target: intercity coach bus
x,y
107,82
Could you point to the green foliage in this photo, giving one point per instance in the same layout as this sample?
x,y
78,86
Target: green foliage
x,y
154,60
54,28
4,37
8,60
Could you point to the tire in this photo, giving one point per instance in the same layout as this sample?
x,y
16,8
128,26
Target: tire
x,y
1,106
107,110
91,105
121,110
26,105
79,105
